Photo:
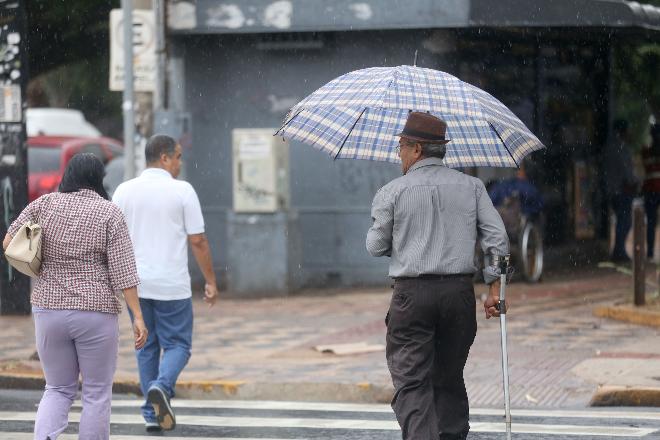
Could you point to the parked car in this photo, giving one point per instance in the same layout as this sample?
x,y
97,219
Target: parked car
x,y
58,122
49,155
114,174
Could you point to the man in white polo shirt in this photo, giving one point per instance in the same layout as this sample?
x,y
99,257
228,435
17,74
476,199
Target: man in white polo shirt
x,y
164,215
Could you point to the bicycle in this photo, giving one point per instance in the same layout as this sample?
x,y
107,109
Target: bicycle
x,y
525,238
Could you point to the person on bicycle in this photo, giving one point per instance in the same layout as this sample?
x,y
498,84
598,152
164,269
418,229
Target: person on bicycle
x,y
530,198
520,204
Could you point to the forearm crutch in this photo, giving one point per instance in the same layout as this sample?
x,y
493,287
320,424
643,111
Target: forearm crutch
x,y
502,261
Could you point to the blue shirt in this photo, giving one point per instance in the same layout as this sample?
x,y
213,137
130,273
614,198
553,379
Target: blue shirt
x,y
531,201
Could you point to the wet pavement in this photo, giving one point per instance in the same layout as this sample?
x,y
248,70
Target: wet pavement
x,y
559,353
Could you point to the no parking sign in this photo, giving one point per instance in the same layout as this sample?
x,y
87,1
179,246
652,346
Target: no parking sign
x,y
144,50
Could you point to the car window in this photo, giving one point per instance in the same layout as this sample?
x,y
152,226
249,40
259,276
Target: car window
x,y
96,150
41,160
115,150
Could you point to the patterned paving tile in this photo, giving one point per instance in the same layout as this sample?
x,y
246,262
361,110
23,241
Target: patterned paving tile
x,y
550,331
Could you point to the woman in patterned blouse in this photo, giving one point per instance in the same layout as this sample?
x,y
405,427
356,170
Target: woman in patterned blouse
x,y
87,259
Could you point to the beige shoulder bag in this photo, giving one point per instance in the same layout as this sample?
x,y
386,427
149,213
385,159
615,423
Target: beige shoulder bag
x,y
24,251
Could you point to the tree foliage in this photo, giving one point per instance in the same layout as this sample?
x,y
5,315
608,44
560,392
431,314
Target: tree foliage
x,y
68,58
66,31
636,73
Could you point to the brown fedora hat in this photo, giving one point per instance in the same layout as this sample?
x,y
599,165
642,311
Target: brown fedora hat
x,y
424,127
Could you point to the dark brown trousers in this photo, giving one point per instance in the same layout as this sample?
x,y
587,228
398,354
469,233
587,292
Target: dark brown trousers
x,y
431,325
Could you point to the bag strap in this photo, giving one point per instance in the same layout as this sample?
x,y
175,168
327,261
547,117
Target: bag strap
x,y
49,201
30,233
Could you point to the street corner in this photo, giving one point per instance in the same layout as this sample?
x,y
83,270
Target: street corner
x,y
626,396
648,315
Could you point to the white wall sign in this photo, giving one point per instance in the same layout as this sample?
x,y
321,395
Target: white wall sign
x,y
144,50
257,147
10,103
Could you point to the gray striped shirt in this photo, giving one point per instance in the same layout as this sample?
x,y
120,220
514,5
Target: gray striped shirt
x,y
428,222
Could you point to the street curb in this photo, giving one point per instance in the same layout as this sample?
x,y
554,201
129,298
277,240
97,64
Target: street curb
x,y
628,313
22,381
327,392
298,391
35,381
239,390
626,396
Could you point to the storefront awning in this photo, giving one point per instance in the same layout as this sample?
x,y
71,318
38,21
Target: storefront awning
x,y
270,16
565,13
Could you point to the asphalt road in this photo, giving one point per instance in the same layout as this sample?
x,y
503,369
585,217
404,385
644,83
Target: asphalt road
x,y
251,420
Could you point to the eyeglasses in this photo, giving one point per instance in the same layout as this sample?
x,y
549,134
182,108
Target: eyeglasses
x,y
403,144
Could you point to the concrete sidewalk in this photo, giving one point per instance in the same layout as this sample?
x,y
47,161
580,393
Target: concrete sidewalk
x,y
560,354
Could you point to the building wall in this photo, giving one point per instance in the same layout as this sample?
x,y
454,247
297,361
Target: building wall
x,y
231,83
250,81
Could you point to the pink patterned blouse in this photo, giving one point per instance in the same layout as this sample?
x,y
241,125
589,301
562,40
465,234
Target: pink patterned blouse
x,y
86,250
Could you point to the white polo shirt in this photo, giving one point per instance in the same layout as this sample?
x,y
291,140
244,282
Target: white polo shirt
x,y
160,213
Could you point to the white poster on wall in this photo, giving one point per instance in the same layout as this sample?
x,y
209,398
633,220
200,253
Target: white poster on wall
x,y
257,146
10,103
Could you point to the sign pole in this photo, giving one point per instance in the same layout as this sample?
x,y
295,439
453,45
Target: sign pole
x,y
128,103
160,90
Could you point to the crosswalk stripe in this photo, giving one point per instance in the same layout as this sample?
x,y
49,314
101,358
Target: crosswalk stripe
x,y
376,408
261,405
29,436
353,424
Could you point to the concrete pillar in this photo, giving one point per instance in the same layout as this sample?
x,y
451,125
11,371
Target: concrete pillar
x,y
265,254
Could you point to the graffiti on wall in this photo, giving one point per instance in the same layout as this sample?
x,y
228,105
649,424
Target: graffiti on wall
x,y
12,134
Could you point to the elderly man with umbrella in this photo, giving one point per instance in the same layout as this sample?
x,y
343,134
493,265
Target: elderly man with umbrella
x,y
428,221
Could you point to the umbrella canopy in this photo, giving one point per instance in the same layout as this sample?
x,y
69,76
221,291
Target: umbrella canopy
x,y
357,115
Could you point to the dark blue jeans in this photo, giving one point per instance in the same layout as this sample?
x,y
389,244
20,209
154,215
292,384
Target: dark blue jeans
x,y
651,204
170,325
622,207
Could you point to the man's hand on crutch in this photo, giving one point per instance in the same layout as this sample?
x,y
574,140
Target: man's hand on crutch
x,y
491,305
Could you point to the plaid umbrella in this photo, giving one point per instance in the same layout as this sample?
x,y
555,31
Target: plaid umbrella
x,y
357,115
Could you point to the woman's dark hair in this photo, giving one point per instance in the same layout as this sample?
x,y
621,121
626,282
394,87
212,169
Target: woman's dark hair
x,y
84,171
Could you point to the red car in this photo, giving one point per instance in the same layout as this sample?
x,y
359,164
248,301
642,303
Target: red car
x,y
49,155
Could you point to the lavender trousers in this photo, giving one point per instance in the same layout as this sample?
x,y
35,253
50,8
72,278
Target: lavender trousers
x,y
73,342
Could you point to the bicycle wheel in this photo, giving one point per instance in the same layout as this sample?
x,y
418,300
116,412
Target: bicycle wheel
x,y
531,250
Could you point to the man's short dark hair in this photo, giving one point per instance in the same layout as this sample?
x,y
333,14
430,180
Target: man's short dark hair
x,y
430,149
157,145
